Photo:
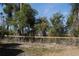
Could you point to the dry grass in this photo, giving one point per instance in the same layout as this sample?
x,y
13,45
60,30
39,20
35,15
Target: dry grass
x,y
46,49
41,51
51,50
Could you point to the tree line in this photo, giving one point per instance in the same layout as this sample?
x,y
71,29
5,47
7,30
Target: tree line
x,y
19,19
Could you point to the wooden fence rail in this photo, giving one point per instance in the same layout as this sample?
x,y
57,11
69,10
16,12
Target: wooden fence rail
x,y
42,39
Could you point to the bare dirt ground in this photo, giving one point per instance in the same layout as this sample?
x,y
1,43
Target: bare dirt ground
x,y
66,52
51,50
69,51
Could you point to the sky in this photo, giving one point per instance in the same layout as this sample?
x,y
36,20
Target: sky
x,y
1,10
48,9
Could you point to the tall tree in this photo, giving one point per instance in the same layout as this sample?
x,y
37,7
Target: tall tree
x,y
8,10
42,26
57,24
73,19
20,16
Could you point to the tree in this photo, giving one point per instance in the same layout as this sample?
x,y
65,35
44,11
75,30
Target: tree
x,y
42,26
8,10
20,16
58,28
25,17
73,19
69,23
31,13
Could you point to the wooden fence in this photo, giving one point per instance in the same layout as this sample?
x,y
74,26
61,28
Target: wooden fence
x,y
42,39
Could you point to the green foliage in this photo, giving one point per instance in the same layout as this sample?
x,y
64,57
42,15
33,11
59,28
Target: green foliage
x,y
73,20
57,24
23,15
70,21
76,32
19,16
20,20
42,25
51,32
3,31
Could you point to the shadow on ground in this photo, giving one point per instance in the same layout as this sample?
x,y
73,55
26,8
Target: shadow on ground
x,y
10,49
